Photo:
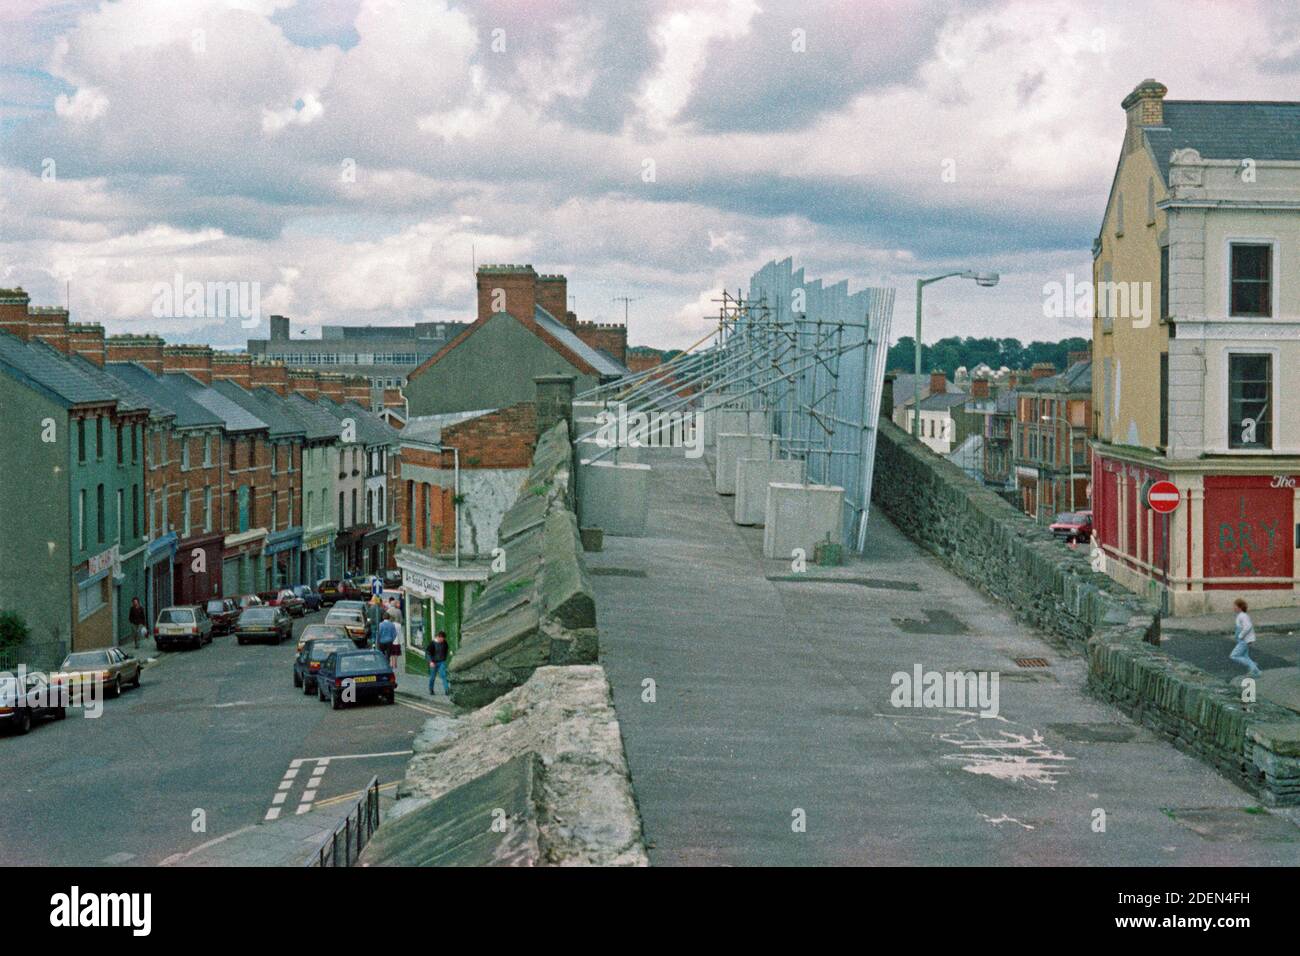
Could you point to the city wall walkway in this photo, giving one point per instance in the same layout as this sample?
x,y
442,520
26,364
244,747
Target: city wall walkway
x,y
771,738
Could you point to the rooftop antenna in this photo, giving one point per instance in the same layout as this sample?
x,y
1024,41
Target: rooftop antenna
x,y
626,300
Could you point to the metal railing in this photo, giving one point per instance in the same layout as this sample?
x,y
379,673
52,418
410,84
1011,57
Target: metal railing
x,y
356,830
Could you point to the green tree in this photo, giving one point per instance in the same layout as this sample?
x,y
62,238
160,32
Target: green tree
x,y
13,630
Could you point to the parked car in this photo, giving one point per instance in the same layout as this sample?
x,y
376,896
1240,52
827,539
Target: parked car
x,y
366,673
311,599
249,600
316,632
182,625
331,590
285,598
393,579
263,624
312,654
111,666
353,620
21,703
224,613
1072,526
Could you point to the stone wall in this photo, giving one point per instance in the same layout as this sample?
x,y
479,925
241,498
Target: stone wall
x,y
540,609
993,545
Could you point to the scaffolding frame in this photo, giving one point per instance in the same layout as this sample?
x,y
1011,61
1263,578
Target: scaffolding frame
x,y
815,375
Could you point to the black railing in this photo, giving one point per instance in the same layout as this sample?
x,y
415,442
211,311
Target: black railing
x,y
344,845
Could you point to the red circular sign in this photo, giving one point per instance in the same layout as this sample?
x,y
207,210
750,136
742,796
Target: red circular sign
x,y
1163,497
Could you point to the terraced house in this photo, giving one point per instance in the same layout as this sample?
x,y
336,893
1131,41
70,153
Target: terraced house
x,y
1196,341
71,536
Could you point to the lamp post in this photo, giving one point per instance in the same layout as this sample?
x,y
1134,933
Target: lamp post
x,y
983,279
1069,450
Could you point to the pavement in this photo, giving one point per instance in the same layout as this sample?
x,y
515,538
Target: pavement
x,y
203,763
757,706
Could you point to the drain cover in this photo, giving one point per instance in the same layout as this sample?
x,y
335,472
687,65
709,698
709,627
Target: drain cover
x,y
1031,661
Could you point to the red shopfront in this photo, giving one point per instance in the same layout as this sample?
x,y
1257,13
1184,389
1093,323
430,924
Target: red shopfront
x,y
1249,532
1127,529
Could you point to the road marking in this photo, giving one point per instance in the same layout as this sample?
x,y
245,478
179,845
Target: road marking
x,y
344,797
167,861
313,783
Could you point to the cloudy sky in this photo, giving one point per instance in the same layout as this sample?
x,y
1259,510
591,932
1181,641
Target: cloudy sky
x,y
352,156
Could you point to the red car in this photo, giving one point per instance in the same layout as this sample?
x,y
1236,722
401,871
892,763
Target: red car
x,y
285,598
1072,526
224,613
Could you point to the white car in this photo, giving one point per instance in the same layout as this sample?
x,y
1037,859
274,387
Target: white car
x,y
182,625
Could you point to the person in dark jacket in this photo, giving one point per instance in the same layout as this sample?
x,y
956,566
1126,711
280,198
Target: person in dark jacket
x,y
138,619
436,655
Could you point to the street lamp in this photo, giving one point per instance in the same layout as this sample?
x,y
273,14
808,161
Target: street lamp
x,y
1069,450
984,280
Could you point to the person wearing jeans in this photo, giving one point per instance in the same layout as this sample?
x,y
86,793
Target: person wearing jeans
x,y
436,655
1245,635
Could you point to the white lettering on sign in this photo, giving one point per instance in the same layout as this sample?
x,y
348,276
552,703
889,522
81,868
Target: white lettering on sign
x,y
105,559
1282,481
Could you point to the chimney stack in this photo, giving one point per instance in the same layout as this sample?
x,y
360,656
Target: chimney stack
x,y
13,312
303,381
234,367
979,388
357,389
1042,370
87,340
146,350
331,385
938,382
1144,107
507,288
195,360
272,375
1084,355
554,401
553,296
50,325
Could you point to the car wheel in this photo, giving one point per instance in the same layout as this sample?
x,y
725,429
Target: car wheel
x,y
60,713
307,688
297,681
116,689
320,691
241,640
157,646
136,681
336,701
24,722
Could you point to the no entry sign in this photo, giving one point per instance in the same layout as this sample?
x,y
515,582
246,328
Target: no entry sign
x,y
1163,497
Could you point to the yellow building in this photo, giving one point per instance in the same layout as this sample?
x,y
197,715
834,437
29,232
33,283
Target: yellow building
x,y
1196,348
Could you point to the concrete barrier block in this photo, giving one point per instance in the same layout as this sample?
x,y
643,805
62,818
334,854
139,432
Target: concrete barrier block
x,y
798,516
731,448
614,497
753,475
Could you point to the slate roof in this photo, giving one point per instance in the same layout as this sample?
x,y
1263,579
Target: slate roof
x,y
163,395
905,388
1226,130
319,421
941,401
38,365
1076,378
234,416
601,361
370,429
280,424
124,390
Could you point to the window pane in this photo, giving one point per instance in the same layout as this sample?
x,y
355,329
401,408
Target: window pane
x,y
1251,280
1250,401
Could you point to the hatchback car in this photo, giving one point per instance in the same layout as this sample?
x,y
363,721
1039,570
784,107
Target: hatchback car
x,y
347,677
312,654
224,613
23,702
263,624
182,625
353,620
322,631
330,591
1072,526
111,667
311,600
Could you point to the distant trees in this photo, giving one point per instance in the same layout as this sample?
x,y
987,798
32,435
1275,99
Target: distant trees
x,y
955,351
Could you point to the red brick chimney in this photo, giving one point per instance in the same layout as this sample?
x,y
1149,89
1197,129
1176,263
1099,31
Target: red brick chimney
x,y
1083,355
87,340
506,288
553,296
357,389
332,385
612,338
1042,370
979,388
147,350
272,375
938,382
195,360
13,312
50,325
303,381
234,367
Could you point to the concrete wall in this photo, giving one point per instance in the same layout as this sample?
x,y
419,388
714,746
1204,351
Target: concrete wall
x,y
800,516
753,475
614,497
991,544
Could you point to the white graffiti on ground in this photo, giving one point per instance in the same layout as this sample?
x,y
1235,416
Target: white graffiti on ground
x,y
1009,756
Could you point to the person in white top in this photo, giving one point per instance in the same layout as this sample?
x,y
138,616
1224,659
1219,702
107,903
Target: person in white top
x,y
1245,635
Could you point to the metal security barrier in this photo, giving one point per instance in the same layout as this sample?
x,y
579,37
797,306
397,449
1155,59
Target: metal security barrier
x,y
344,845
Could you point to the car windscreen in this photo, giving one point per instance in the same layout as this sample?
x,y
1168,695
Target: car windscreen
x,y
1068,517
361,663
258,614
322,649
216,607
322,631
344,617
176,615
87,659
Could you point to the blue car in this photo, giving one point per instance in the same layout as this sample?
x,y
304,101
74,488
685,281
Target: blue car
x,y
347,677
311,599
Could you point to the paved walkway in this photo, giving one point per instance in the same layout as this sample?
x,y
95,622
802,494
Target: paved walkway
x,y
772,706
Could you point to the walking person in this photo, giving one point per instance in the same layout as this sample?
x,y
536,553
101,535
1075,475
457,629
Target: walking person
x,y
138,619
436,655
1244,633
389,640
374,614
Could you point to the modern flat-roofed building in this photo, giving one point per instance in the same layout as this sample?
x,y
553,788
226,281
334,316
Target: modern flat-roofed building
x,y
384,354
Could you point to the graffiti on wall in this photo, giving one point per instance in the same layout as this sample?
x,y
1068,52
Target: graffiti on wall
x,y
1247,529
